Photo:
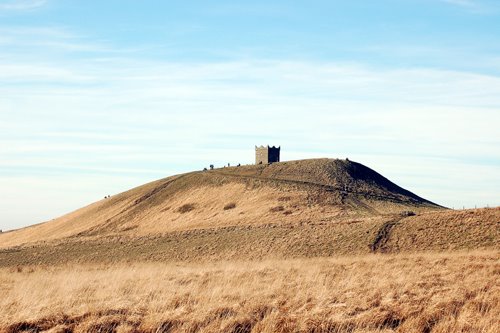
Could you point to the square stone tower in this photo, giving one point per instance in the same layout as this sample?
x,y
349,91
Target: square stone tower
x,y
267,154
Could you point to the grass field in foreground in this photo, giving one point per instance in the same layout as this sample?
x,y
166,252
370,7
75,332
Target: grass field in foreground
x,y
445,292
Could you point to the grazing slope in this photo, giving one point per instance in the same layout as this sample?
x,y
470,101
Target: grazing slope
x,y
308,208
289,192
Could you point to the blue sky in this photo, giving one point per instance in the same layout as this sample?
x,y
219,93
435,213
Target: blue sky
x,y
99,96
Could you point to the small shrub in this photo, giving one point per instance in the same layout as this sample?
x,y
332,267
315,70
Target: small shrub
x,y
230,205
408,213
277,209
186,208
287,212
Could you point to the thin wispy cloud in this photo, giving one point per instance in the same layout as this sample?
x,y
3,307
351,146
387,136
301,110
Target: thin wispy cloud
x,y
472,6
359,109
53,42
462,3
20,5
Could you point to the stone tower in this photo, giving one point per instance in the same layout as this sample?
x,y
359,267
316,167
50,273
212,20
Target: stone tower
x,y
266,154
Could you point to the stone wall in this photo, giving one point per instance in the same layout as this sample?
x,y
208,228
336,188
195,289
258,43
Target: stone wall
x,y
261,155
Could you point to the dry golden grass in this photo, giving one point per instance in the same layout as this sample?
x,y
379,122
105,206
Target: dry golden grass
x,y
450,229
446,292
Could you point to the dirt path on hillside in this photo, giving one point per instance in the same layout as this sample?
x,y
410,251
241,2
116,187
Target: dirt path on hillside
x,y
344,191
383,235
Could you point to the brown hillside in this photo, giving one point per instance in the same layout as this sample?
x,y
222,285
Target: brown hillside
x,y
299,209
432,231
283,193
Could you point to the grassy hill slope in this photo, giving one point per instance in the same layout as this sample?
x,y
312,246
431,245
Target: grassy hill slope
x,y
289,192
309,208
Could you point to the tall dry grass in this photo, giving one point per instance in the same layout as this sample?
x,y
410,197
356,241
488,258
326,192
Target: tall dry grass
x,y
447,292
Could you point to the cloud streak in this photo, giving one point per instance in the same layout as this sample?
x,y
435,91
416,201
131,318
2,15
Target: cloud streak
x,y
148,116
473,6
462,3
22,5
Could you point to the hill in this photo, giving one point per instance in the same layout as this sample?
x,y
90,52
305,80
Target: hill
x,y
305,208
287,247
305,190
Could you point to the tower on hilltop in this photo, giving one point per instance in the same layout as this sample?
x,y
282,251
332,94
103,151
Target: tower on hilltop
x,y
267,154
